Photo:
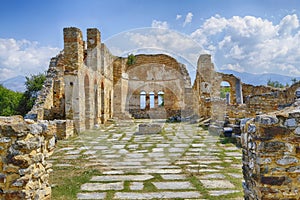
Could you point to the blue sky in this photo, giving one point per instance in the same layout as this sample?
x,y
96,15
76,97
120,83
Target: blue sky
x,y
256,36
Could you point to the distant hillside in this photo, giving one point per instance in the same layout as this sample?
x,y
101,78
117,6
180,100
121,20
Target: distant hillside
x,y
260,79
16,83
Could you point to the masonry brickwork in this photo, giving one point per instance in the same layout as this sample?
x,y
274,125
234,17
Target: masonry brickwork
x,y
271,155
86,85
24,149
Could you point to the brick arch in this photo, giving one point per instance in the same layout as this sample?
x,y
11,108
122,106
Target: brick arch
x,y
162,60
235,87
158,58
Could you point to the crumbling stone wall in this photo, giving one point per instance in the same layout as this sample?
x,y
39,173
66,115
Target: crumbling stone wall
x,y
24,149
50,101
245,100
207,87
151,74
271,155
79,85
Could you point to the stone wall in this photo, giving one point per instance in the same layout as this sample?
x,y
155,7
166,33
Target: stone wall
x,y
151,74
271,155
49,104
24,149
79,83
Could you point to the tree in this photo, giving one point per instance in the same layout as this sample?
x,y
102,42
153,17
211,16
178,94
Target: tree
x,y
294,80
131,59
275,84
33,84
9,101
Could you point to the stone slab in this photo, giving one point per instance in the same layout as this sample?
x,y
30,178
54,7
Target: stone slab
x,y
222,192
136,186
173,185
156,195
217,184
173,176
213,176
160,171
122,178
93,195
102,186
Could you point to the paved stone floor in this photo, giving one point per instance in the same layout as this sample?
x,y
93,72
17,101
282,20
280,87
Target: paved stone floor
x,y
181,162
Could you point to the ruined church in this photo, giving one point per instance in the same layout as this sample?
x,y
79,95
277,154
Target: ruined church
x,y
86,85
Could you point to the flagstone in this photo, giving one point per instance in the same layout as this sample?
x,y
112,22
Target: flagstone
x,y
143,177
102,186
217,183
156,195
94,195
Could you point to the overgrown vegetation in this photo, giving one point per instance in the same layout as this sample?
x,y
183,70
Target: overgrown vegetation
x,y
9,101
276,84
17,103
131,59
33,85
224,91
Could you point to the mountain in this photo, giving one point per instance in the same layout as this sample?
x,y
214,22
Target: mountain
x,y
16,83
260,79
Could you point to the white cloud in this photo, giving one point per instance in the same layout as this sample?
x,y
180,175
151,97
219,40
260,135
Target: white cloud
x,y
252,44
188,19
159,24
23,57
154,41
288,24
178,17
235,67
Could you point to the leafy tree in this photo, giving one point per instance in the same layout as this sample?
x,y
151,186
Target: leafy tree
x,y
131,59
224,91
275,84
9,101
33,84
294,80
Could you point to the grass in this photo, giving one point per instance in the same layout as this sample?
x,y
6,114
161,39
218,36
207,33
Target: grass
x,y
67,182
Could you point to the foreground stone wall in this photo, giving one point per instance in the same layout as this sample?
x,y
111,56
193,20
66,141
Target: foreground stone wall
x,y
271,155
24,149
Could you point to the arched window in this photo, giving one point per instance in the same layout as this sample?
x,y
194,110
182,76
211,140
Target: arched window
x,y
161,100
152,103
143,100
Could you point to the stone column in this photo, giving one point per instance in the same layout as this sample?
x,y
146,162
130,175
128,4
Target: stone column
x,y
155,100
147,101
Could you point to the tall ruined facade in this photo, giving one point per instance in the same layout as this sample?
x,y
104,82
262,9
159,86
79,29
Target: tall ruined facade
x,y
87,85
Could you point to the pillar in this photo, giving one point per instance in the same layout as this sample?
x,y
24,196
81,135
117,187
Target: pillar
x,y
73,60
93,48
73,50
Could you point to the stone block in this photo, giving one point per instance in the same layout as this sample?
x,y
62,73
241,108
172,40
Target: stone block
x,y
287,160
272,147
149,128
64,129
273,180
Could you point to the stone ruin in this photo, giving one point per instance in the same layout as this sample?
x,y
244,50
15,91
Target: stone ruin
x,y
86,86
271,155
